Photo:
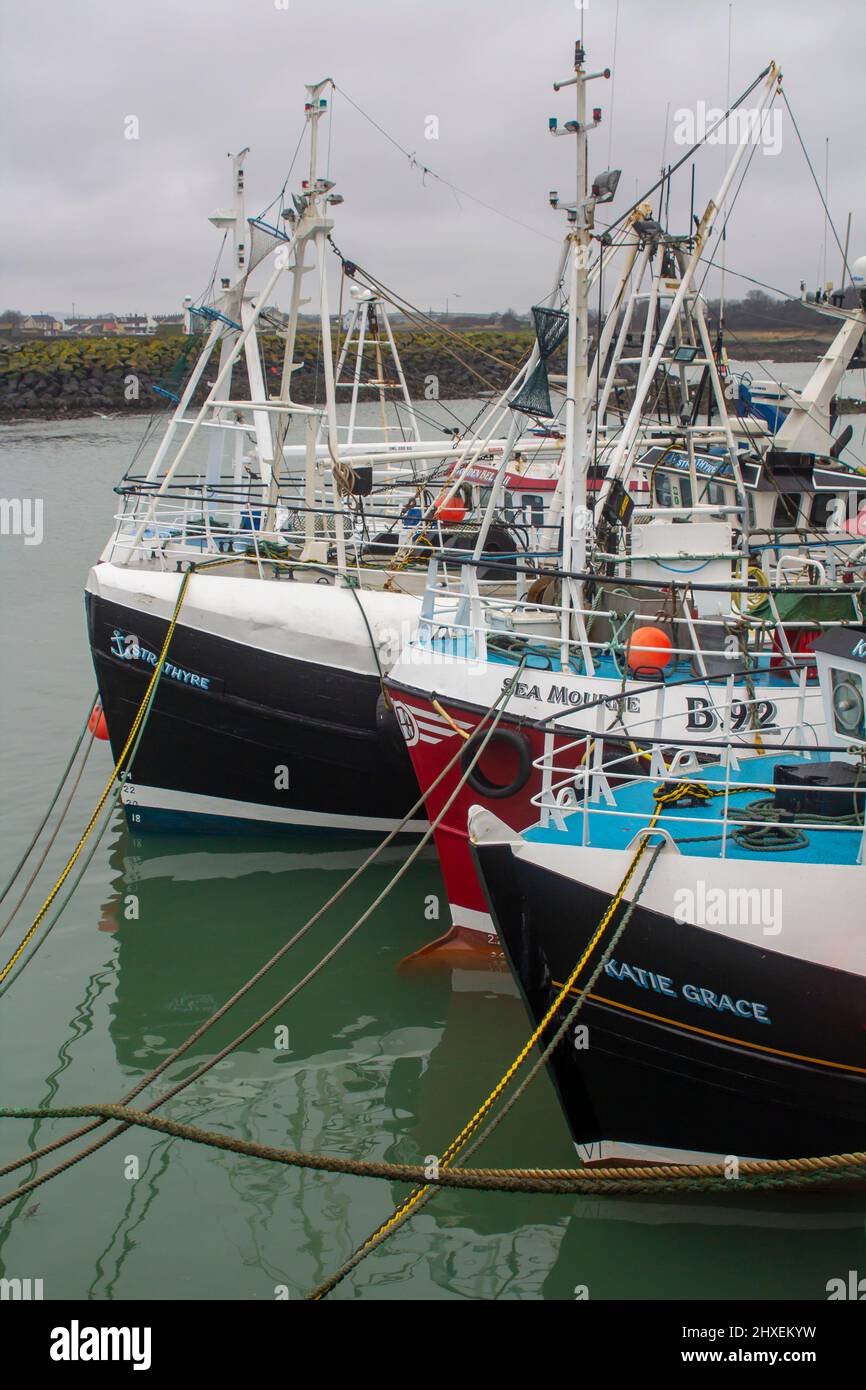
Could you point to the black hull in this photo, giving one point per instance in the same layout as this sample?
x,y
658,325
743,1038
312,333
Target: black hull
x,y
229,716
662,1074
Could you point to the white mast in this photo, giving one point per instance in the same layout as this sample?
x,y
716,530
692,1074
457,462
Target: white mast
x,y
576,400
632,425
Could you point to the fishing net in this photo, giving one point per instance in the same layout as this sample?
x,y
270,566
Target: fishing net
x,y
171,385
551,328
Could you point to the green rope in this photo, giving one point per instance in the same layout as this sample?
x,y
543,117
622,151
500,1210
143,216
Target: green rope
x,y
755,1175
772,834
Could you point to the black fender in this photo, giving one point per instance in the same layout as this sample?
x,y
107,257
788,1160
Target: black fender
x,y
481,784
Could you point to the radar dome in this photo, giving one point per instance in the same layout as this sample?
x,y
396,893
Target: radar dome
x,y
858,272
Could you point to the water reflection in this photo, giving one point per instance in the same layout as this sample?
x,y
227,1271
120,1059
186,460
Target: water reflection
x,y
379,1064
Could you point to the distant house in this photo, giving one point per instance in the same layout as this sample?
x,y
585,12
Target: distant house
x,y
100,327
40,325
136,325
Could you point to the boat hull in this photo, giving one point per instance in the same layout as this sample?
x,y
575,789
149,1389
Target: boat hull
x,y
663,1073
465,690
240,733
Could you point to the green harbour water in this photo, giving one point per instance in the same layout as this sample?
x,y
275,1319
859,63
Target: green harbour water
x,y
379,1063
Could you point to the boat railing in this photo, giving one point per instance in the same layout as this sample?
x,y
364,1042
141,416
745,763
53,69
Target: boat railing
x,y
738,715
713,628
384,530
635,780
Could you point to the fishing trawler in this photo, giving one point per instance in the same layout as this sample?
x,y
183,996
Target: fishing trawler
x,y
683,899
658,599
309,556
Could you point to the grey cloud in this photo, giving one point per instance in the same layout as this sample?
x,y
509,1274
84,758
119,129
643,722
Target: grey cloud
x,y
116,224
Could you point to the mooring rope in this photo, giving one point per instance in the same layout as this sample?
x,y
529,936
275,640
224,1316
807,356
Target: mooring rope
x,y
95,842
49,843
106,791
496,709
753,1174
422,1194
52,803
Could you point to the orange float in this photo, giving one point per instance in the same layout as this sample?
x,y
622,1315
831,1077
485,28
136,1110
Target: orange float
x,y
451,512
649,649
96,723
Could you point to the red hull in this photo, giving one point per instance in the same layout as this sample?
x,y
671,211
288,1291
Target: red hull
x,y
432,743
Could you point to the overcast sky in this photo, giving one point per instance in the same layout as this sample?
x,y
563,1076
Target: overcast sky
x,y
107,223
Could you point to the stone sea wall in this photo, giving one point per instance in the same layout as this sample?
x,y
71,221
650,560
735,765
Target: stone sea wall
x,y
61,377
48,378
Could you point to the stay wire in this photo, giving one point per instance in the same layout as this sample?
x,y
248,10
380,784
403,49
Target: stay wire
x,y
816,181
425,170
672,168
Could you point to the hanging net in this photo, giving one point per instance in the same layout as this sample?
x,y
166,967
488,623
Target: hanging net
x,y
171,385
551,328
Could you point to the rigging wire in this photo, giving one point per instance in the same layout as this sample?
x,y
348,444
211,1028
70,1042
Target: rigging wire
x,y
280,197
426,170
208,290
672,169
830,221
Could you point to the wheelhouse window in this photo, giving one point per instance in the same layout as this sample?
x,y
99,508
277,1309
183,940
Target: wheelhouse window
x,y
787,509
672,491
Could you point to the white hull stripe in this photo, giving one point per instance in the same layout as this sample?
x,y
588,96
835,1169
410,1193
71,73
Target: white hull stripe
x,y
613,1150
189,803
471,920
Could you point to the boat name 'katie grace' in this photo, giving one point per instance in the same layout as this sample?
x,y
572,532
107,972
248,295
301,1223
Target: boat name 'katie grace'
x,y
127,647
694,994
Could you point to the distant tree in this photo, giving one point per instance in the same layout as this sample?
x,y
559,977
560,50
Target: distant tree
x,y
11,316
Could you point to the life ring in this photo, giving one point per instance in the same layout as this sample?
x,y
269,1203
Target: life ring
x,y
476,778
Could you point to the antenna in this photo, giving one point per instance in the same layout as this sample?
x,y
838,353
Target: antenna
x,y
845,253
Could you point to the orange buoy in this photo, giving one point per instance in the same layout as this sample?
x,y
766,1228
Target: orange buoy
x,y
649,649
96,723
452,511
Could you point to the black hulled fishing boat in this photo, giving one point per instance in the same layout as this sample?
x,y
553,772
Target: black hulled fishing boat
x,y
729,1017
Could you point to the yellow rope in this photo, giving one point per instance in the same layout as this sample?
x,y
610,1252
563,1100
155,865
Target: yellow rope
x,y
448,720
459,1142
108,786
